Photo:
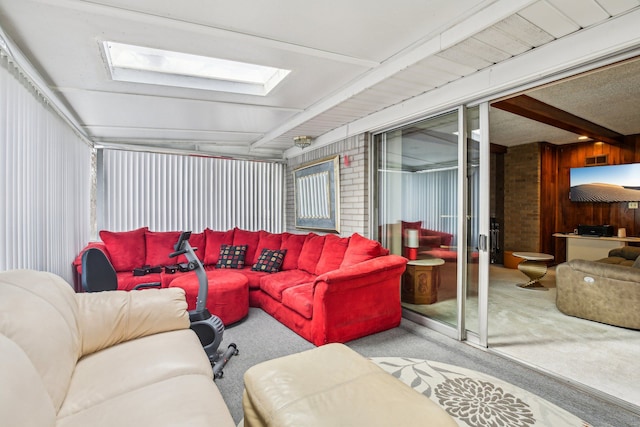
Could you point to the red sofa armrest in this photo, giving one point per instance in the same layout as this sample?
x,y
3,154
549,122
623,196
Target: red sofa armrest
x,y
76,265
359,300
352,276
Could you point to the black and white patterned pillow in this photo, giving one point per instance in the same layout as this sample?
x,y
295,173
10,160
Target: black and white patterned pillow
x,y
270,260
231,256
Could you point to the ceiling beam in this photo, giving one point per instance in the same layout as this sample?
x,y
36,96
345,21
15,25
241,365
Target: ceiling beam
x,y
539,111
486,14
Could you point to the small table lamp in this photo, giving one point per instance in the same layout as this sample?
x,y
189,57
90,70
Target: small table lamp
x,y
412,244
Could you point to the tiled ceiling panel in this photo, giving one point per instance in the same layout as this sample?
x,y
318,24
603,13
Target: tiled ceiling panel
x,y
508,43
523,31
584,13
549,19
615,7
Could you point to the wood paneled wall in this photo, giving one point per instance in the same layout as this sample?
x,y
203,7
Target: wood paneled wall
x,y
556,163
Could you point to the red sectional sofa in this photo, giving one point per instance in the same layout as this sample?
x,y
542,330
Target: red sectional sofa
x,y
328,288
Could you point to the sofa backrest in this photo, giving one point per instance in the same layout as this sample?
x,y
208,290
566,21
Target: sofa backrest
x,y
310,252
292,243
332,253
627,252
24,401
126,249
39,342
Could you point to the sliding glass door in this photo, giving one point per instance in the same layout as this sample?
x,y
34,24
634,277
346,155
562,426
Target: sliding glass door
x,y
428,186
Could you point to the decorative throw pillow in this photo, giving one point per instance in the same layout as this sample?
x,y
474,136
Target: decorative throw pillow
x,y
270,260
636,263
231,256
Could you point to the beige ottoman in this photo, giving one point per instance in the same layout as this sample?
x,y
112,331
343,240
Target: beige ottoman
x,y
333,386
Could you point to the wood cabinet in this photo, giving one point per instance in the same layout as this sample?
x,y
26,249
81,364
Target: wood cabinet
x,y
420,281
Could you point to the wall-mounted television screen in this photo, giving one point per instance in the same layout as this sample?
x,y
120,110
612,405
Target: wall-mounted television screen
x,y
616,183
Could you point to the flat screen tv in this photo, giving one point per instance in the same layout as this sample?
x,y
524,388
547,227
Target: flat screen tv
x,y
616,183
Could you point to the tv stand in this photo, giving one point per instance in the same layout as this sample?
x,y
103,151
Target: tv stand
x,y
592,248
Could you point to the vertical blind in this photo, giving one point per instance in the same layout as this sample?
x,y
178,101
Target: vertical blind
x,y
433,199
178,192
45,180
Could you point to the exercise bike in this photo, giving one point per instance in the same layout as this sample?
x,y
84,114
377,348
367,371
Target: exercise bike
x,y
208,328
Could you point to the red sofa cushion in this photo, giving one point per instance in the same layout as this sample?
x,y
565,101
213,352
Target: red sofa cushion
x,y
158,247
310,253
197,241
126,248
293,244
253,277
411,225
445,238
300,299
430,241
249,238
361,249
332,253
160,244
274,284
213,241
267,241
127,281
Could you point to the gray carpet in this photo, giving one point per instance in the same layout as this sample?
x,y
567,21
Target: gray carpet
x,y
261,338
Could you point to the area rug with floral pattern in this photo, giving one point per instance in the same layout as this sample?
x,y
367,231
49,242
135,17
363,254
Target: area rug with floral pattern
x,y
476,399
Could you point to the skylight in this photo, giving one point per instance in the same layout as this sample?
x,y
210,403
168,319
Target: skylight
x,y
139,64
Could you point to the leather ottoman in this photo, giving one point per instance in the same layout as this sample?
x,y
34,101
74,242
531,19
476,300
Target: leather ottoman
x,y
228,296
333,385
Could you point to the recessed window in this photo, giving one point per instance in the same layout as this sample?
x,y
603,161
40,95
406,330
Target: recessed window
x,y
139,64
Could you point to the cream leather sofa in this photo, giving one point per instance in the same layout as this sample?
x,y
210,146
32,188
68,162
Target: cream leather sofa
x,y
333,385
103,359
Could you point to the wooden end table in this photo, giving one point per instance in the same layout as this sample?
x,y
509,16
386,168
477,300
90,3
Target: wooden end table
x,y
420,281
534,267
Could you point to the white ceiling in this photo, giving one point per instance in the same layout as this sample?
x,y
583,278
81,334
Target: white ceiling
x,y
349,59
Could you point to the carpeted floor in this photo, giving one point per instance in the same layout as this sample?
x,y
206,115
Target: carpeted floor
x,y
527,326
260,338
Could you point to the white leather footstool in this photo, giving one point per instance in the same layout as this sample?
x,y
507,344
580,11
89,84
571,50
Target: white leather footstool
x,y
333,386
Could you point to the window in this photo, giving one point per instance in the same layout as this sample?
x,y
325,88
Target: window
x,y
137,64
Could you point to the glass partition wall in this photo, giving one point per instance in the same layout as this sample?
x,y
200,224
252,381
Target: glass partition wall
x,y
428,188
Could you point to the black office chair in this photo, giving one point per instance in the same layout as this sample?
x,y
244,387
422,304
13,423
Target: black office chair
x,y
99,275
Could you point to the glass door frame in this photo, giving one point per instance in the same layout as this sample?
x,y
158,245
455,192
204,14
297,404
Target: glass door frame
x,y
460,331
481,338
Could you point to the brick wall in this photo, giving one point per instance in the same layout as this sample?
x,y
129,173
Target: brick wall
x,y
354,186
522,198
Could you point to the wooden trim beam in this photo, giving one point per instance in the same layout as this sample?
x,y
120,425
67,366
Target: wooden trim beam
x,y
539,111
497,149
